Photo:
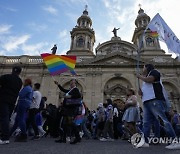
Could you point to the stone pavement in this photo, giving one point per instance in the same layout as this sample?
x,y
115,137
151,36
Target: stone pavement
x,y
48,146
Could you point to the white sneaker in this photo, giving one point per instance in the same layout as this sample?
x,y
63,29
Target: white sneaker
x,y
81,134
103,139
145,145
4,142
173,146
43,134
68,139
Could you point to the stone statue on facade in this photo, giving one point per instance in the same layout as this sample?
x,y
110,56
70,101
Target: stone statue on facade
x,y
115,31
54,49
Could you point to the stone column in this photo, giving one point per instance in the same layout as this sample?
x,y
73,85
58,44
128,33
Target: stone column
x,y
74,42
86,41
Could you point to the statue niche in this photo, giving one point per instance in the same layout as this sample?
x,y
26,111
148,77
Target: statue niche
x,y
80,42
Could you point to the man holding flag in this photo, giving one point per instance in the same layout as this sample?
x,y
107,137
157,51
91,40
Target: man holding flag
x,y
152,90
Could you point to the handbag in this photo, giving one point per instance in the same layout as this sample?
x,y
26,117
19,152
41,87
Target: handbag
x,y
71,110
73,101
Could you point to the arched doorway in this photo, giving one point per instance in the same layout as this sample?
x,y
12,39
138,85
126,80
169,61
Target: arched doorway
x,y
173,95
115,89
120,103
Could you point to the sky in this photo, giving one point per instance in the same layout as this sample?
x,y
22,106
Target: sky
x,y
31,27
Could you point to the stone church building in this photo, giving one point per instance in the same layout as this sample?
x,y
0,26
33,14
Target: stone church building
x,y
109,71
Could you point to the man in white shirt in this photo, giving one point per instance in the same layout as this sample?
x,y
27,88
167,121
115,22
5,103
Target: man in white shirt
x,y
34,109
153,104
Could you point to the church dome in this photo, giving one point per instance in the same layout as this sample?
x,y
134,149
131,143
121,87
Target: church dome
x,y
142,19
84,20
115,46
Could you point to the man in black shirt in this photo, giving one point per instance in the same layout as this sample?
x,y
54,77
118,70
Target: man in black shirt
x,y
10,85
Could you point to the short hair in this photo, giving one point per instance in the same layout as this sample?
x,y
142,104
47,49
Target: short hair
x,y
16,70
37,85
76,82
109,101
44,98
149,67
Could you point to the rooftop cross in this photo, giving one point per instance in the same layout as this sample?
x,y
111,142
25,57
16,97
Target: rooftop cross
x,y
86,6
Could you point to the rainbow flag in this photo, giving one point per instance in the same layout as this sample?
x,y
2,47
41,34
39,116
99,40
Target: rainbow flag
x,y
58,64
154,34
78,119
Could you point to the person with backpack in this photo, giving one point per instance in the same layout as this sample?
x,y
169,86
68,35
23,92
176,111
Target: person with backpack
x,y
101,119
108,127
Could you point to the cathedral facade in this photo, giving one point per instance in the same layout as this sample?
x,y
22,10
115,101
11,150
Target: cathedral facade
x,y
109,71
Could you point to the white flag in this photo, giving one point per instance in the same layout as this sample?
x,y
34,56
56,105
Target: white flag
x,y
165,33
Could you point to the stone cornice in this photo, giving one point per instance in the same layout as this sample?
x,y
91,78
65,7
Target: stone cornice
x,y
36,61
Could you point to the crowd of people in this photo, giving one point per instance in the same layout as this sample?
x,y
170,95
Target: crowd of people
x,y
72,120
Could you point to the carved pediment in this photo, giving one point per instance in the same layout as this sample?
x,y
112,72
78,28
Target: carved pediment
x,y
116,89
161,60
114,59
115,46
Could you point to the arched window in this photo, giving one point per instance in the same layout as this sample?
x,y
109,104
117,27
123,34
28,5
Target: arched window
x,y
83,23
80,42
88,45
149,41
144,21
140,23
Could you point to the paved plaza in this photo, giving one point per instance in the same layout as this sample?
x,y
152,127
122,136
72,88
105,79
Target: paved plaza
x,y
48,146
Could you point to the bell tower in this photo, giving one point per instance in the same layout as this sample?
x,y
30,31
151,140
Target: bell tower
x,y
82,37
144,40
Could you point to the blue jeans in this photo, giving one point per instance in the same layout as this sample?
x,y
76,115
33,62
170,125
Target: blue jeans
x,y
156,127
20,120
155,109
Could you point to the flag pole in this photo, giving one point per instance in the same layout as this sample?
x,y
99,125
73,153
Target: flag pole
x,y
138,57
53,78
137,67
